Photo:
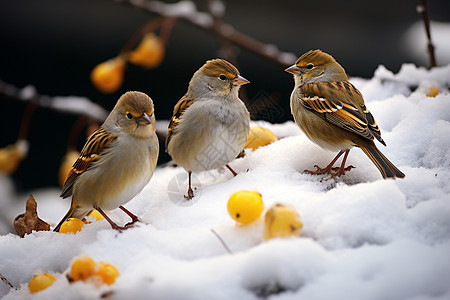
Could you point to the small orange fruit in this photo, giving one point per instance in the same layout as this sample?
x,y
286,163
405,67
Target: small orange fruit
x,y
245,206
71,225
281,221
433,92
149,53
40,282
96,214
82,268
260,136
106,272
107,76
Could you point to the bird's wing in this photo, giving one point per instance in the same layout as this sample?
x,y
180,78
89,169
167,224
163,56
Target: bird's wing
x,y
341,104
95,145
178,111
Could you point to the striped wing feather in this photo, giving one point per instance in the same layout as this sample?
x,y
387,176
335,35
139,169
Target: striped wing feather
x,y
341,104
95,145
178,111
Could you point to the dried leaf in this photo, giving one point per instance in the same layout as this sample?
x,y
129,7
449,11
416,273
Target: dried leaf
x,y
29,221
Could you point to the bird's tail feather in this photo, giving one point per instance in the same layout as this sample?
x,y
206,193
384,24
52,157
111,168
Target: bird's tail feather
x,y
75,211
387,169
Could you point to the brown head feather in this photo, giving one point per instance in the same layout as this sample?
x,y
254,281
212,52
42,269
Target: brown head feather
x,y
217,67
136,103
317,56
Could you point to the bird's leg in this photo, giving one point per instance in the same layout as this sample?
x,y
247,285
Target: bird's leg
x,y
113,225
231,170
327,169
190,193
342,169
133,217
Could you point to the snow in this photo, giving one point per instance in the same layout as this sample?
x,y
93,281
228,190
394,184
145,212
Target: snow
x,y
186,9
71,104
363,237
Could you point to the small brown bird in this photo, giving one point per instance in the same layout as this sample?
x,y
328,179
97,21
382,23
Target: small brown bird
x,y
332,114
116,162
210,124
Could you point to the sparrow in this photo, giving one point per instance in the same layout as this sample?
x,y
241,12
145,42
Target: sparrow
x,y
332,114
116,162
210,124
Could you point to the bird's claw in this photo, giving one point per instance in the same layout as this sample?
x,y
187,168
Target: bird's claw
x,y
334,172
190,194
318,171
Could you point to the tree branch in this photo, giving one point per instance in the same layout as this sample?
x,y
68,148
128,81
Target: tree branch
x,y
423,10
186,11
73,105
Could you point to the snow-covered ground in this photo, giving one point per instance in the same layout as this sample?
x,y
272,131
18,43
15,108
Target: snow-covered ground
x,y
363,237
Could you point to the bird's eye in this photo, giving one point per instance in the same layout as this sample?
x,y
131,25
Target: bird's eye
x,y
129,116
310,66
222,77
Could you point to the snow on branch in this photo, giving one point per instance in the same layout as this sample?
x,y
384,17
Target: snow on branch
x,y
186,11
71,104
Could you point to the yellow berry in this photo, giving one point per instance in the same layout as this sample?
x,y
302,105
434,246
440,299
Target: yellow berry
x,y
12,155
260,136
82,268
107,273
71,225
66,165
281,221
245,206
107,76
149,53
433,92
40,282
96,214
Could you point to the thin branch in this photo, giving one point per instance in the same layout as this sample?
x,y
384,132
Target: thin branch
x,y
423,10
71,105
186,11
26,120
3,278
216,8
136,37
221,241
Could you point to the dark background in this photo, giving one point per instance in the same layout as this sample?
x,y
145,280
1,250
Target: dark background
x,y
54,44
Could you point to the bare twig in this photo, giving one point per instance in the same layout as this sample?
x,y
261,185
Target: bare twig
x,y
3,278
136,37
423,10
71,105
186,11
217,9
166,30
75,132
26,120
222,241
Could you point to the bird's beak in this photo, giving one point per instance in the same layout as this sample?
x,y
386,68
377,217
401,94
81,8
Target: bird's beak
x,y
294,69
144,120
240,80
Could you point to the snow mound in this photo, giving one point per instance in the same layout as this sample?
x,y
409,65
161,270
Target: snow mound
x,y
363,237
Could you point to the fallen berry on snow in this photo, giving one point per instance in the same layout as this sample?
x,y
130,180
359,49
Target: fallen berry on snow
x,y
106,272
245,206
71,225
82,268
282,221
40,282
258,137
